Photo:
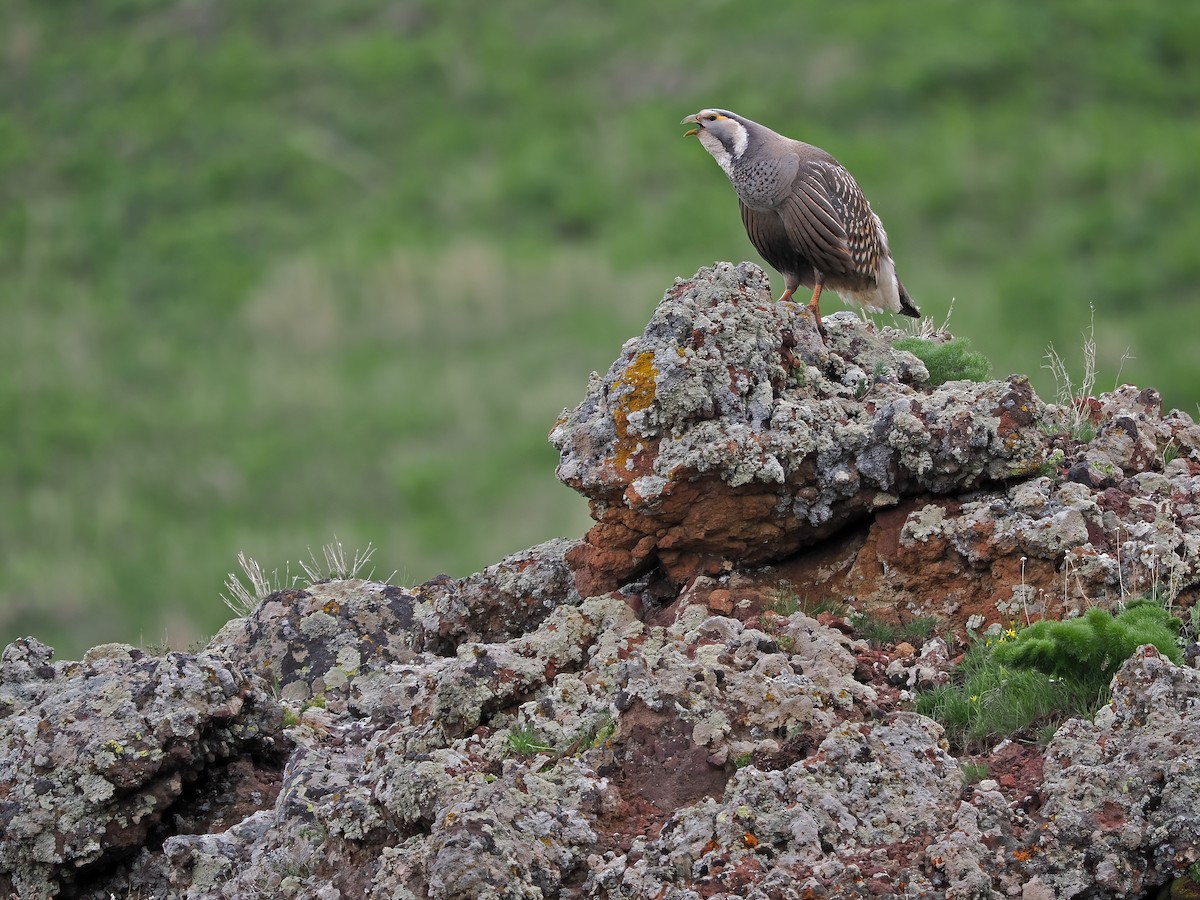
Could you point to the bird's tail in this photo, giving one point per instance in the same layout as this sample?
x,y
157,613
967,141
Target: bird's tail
x,y
907,306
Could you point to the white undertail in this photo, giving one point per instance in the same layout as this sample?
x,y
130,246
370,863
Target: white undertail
x,y
885,296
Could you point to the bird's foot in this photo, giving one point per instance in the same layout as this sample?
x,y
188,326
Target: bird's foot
x,y
816,314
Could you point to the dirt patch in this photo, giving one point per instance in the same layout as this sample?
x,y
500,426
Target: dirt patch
x,y
1017,767
657,769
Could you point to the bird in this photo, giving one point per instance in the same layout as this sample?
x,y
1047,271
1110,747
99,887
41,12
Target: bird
x,y
805,214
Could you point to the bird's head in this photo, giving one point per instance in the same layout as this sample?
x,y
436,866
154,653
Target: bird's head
x,y
724,134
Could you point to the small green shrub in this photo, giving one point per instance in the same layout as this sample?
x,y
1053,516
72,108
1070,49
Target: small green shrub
x,y
1095,643
952,361
1043,674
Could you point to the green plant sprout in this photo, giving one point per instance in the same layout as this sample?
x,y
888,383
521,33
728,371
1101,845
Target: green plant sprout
x,y
525,741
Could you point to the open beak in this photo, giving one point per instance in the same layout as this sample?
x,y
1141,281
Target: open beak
x,y
692,119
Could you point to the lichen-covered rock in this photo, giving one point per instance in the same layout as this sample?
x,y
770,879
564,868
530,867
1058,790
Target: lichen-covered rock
x,y
1044,547
501,770
312,642
1122,803
729,431
864,803
94,753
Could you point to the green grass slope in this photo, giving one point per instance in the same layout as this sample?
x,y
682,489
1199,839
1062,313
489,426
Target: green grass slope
x,y
275,272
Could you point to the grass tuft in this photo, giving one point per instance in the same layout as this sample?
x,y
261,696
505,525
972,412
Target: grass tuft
x,y
1074,397
242,598
993,701
786,603
879,632
525,741
973,772
337,566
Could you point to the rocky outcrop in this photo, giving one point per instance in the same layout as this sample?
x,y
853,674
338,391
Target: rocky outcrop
x,y
659,709
728,433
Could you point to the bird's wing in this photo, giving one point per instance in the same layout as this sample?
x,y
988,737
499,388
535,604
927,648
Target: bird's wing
x,y
829,218
769,237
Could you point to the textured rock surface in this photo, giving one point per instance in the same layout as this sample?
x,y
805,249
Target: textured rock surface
x,y
1046,546
679,728
96,752
729,432
860,807
1125,828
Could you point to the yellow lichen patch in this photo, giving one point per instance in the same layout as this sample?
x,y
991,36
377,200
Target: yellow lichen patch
x,y
639,379
639,384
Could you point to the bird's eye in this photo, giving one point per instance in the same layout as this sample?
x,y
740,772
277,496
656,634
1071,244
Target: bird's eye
x,y
711,118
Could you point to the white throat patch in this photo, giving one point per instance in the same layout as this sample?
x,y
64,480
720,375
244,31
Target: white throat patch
x,y
741,138
725,159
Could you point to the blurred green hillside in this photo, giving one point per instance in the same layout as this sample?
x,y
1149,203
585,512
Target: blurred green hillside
x,y
274,272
